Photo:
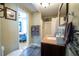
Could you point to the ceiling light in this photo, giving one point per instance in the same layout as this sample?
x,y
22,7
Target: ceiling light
x,y
45,5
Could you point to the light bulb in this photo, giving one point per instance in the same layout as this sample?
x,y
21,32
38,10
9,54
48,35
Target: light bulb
x,y
45,4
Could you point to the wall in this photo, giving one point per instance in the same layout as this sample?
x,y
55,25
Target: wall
x,y
48,28
9,30
37,20
0,37
30,23
74,8
54,26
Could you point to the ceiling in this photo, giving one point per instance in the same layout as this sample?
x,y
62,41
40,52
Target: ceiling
x,y
50,11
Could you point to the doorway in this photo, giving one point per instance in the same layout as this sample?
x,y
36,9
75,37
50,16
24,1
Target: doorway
x,y
23,28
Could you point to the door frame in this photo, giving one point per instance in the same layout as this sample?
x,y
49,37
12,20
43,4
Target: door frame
x,y
19,9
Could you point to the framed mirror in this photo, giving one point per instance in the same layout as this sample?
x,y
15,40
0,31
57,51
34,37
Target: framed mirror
x,y
63,19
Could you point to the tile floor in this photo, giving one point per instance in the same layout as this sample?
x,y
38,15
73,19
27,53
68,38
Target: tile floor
x,y
24,51
32,51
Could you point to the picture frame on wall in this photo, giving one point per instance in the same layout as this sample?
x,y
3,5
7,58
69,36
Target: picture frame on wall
x,y
1,10
35,30
10,14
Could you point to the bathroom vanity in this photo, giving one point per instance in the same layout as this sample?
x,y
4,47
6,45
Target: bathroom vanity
x,y
50,47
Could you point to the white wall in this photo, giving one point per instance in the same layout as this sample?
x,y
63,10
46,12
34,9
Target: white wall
x,y
37,20
73,7
47,28
9,30
50,27
54,25
0,37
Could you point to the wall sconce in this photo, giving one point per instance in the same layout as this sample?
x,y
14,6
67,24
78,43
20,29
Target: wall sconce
x,y
2,7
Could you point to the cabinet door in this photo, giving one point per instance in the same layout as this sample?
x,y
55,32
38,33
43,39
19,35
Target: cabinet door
x,y
46,50
52,50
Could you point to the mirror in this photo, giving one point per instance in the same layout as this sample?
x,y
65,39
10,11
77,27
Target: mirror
x,y
63,18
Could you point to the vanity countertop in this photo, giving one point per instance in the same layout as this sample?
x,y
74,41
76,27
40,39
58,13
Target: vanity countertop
x,y
52,40
49,40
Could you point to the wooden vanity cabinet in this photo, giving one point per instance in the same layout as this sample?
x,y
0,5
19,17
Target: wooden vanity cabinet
x,y
50,48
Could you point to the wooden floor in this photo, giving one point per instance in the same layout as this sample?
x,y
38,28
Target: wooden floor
x,y
32,51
